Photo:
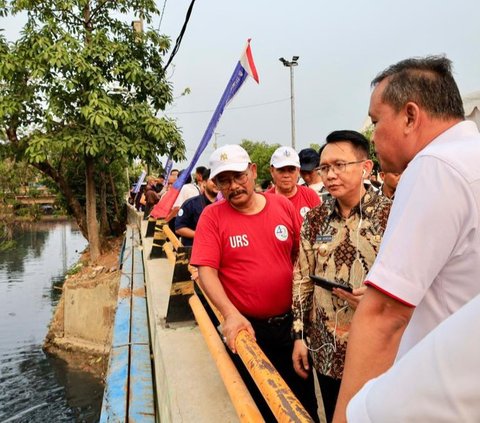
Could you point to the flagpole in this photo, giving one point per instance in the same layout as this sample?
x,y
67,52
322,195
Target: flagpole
x,y
245,66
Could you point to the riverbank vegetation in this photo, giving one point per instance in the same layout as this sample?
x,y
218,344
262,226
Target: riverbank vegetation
x,y
81,97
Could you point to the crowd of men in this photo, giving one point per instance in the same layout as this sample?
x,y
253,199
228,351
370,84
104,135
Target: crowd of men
x,y
344,276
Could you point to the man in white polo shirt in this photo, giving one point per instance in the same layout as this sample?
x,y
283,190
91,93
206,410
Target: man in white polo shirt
x,y
446,386
429,261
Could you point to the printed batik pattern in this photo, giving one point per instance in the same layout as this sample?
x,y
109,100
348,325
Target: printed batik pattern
x,y
328,248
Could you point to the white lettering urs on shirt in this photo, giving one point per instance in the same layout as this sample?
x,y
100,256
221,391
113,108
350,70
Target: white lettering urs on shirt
x,y
237,241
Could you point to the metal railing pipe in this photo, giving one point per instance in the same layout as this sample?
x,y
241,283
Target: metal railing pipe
x,y
242,401
282,401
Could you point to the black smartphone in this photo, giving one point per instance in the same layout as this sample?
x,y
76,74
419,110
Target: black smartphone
x,y
326,284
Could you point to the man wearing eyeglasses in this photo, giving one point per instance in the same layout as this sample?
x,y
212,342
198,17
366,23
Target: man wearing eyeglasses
x,y
339,241
285,171
244,247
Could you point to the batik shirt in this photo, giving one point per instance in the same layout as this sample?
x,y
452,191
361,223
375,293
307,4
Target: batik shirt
x,y
342,250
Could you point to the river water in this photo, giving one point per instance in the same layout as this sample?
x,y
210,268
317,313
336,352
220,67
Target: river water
x,y
35,387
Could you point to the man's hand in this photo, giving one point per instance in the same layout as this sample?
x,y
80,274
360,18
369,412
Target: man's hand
x,y
300,358
352,298
234,323
381,320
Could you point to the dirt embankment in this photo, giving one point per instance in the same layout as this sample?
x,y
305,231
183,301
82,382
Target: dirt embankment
x,y
81,329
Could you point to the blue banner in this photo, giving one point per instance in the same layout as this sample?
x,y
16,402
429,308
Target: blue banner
x,y
237,79
163,207
139,183
168,169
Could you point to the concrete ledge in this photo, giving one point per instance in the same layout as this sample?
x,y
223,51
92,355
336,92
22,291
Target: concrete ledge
x,y
129,389
188,385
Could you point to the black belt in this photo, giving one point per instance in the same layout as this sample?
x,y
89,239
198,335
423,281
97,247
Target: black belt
x,y
274,320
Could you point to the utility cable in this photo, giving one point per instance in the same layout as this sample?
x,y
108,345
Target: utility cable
x,y
233,108
161,16
180,36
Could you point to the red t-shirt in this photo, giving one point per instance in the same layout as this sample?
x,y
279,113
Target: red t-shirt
x,y
304,199
252,253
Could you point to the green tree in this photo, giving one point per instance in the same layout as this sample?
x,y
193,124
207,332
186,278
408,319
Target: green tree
x,y
368,132
260,153
14,178
81,86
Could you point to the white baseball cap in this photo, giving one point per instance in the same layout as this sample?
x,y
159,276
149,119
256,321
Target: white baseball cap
x,y
284,156
228,158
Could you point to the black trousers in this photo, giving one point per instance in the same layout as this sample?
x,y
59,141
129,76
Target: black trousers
x,y
276,342
329,388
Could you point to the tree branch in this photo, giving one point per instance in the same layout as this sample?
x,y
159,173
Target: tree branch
x,y
47,169
12,135
74,18
101,4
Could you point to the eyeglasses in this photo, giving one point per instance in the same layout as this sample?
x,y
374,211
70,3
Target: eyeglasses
x,y
224,182
337,168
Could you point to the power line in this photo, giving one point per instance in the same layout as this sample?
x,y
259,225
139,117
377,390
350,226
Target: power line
x,y
233,108
161,16
180,36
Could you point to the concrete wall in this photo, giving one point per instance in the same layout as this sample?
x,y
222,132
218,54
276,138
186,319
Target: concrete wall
x,y
83,318
89,313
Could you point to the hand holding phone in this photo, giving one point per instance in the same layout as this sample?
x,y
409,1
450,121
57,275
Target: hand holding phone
x,y
329,285
354,298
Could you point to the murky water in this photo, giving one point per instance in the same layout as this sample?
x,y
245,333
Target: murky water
x,y
35,387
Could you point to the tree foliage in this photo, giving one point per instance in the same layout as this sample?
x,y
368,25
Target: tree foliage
x,y
260,153
368,132
81,85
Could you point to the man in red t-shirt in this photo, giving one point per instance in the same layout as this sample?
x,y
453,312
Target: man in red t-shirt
x,y
285,171
244,248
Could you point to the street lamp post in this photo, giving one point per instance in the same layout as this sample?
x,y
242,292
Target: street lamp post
x,y
291,64
216,135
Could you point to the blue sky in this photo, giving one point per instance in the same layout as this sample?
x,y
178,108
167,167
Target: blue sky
x,y
342,46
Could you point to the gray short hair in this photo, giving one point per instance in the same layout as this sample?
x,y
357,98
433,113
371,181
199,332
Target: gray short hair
x,y
427,82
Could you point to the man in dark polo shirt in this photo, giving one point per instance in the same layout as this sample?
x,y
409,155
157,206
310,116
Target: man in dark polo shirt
x,y
189,213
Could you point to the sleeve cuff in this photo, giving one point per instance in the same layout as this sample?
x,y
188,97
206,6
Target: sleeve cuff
x,y
296,335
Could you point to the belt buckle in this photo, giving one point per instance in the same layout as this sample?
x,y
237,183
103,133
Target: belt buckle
x,y
272,320
277,320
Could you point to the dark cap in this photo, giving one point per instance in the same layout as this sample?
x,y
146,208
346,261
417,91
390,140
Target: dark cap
x,y
309,159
